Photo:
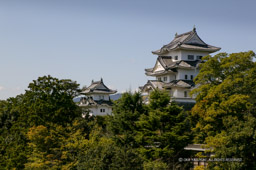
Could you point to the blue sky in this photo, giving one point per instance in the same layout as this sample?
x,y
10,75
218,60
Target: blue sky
x,y
113,39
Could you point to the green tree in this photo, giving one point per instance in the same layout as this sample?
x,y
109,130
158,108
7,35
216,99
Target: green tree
x,y
227,87
57,146
126,111
47,103
237,141
49,99
225,109
13,149
163,132
122,130
102,152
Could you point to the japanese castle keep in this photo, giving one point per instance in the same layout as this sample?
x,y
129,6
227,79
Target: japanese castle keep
x,y
97,98
176,66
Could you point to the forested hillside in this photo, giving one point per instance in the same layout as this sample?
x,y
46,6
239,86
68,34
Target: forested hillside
x,y
44,129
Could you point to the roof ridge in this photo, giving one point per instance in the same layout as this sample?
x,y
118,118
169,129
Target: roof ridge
x,y
95,82
179,35
181,42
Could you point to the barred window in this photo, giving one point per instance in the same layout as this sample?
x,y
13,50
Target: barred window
x,y
199,57
185,94
190,57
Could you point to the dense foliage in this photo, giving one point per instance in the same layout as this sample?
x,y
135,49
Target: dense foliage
x,y
44,129
225,111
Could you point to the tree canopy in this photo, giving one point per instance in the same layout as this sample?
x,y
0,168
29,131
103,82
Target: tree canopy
x,y
225,107
44,129
29,121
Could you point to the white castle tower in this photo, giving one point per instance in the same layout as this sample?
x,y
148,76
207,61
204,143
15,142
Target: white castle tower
x,y
97,98
177,65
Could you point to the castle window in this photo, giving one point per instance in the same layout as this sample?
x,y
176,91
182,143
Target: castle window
x,y
186,77
165,78
101,97
166,56
191,77
185,94
190,57
102,110
159,78
199,57
176,57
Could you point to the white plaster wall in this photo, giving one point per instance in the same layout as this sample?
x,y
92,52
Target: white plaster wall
x,y
171,92
182,72
161,78
179,93
184,54
157,77
173,54
96,111
169,77
175,92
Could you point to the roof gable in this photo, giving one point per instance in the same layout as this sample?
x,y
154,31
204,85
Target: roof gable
x,y
166,61
194,39
165,65
98,87
180,83
158,67
152,84
101,86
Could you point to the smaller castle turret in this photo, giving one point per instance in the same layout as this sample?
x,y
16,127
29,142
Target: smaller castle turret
x,y
97,98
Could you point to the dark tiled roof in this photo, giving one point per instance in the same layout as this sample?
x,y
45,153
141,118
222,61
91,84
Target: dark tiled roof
x,y
180,83
190,41
155,84
98,87
171,66
90,102
188,63
190,82
149,69
166,61
104,102
148,73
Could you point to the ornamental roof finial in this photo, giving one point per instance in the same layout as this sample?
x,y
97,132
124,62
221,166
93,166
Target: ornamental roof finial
x,y
101,80
194,28
92,81
176,34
